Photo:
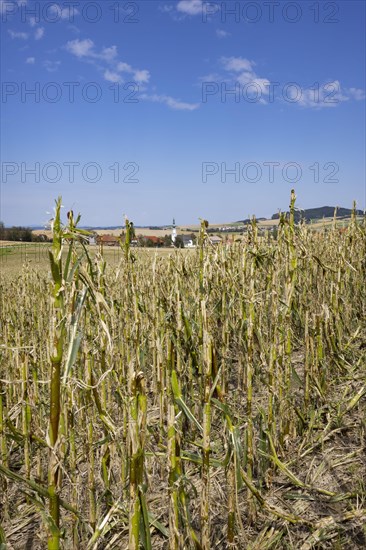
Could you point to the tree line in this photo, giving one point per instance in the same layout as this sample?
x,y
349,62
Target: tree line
x,y
18,233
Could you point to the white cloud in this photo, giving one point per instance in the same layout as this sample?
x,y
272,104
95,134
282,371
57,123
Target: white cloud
x,y
263,84
250,78
85,48
242,72
80,48
239,71
108,54
112,76
326,95
141,77
357,93
245,77
175,104
124,67
30,60
190,7
32,21
237,64
329,94
222,34
21,35
51,66
106,61
39,33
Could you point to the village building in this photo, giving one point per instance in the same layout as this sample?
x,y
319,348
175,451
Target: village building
x,y
212,239
186,240
108,240
93,238
181,241
152,240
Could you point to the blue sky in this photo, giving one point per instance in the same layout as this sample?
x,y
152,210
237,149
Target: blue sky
x,y
187,108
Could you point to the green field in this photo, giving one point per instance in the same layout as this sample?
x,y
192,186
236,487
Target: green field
x,y
211,398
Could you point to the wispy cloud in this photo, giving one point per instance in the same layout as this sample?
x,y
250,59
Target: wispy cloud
x,y
39,33
107,54
85,49
112,76
171,102
222,34
239,73
74,29
329,94
80,48
141,77
51,66
356,93
20,35
124,67
30,60
190,7
116,71
237,64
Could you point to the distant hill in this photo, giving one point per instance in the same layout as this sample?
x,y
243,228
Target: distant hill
x,y
247,221
321,212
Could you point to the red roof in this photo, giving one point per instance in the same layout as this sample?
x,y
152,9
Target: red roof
x,y
153,239
108,239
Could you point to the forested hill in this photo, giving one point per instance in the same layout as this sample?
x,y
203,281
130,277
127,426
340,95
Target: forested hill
x,y
321,212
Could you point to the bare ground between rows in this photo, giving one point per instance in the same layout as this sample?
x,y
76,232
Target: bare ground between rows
x,y
329,458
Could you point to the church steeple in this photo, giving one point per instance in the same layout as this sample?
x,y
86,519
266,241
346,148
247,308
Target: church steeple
x,y
174,232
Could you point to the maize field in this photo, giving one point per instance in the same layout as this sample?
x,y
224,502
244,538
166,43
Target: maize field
x,y
212,398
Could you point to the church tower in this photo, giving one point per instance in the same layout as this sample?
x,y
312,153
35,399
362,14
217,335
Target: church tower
x,y
174,232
